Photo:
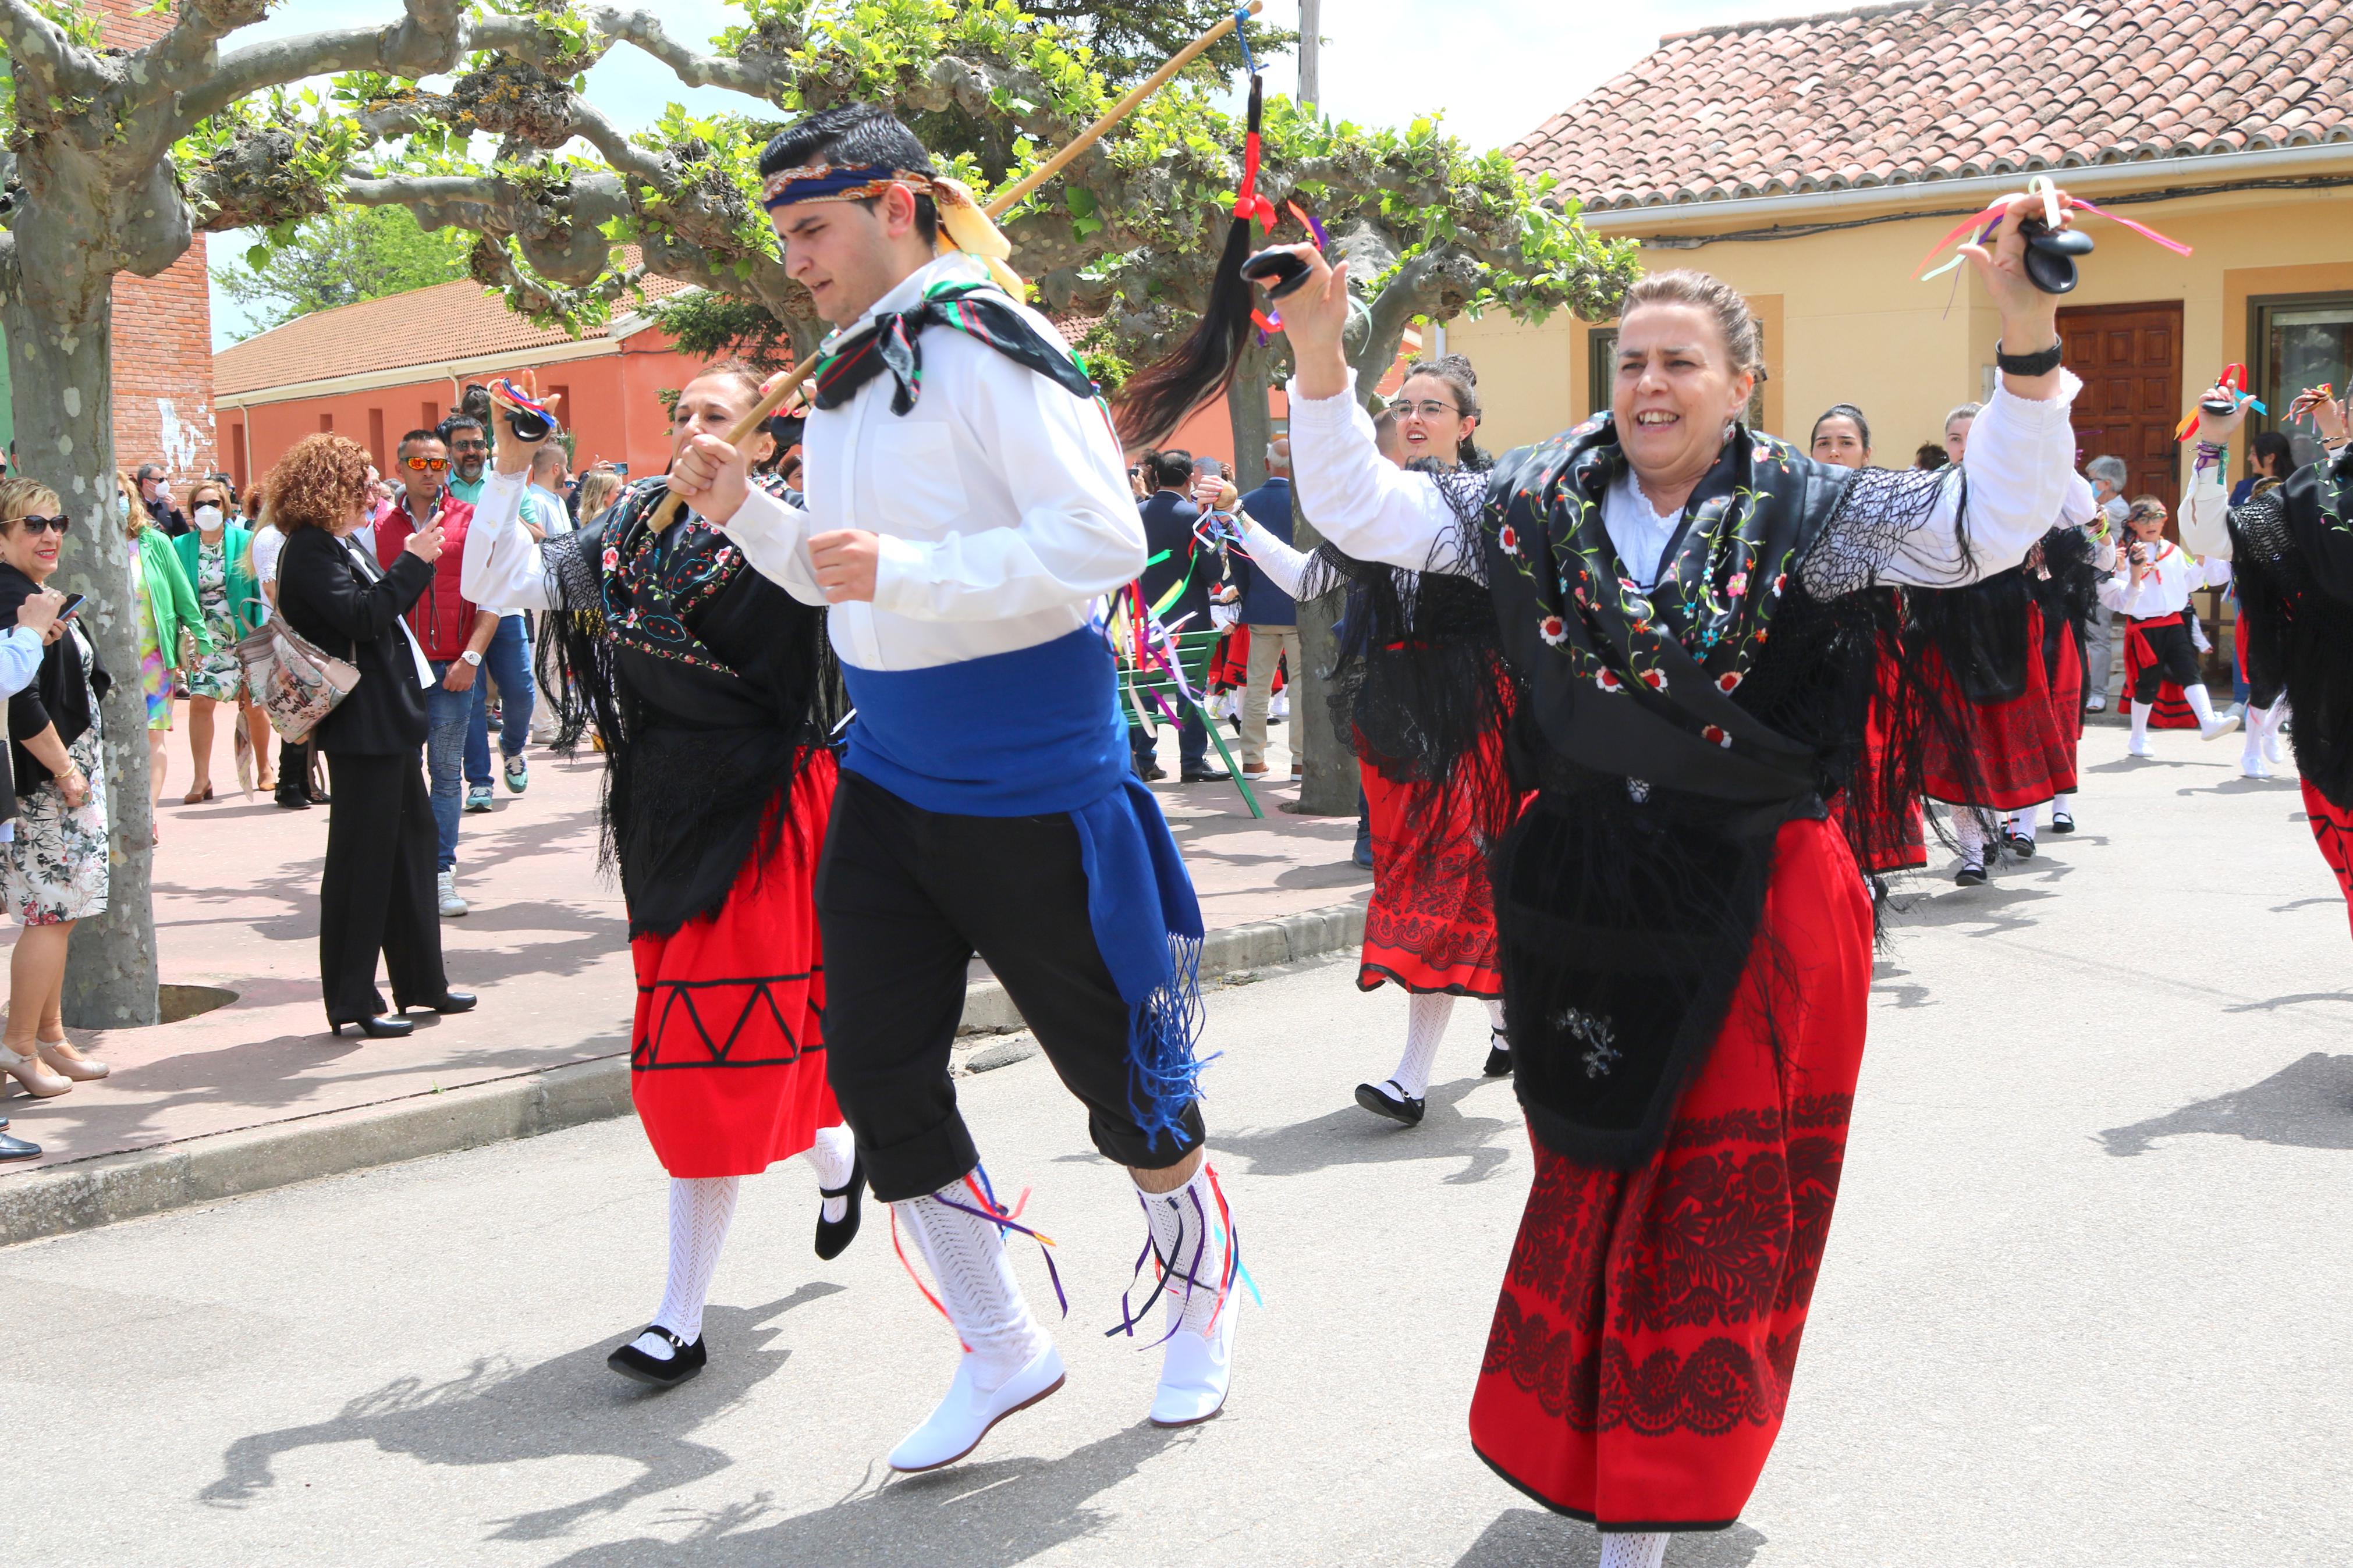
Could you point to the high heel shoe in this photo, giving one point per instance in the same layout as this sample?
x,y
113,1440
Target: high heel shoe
x,y
198,797
38,1081
76,1066
386,1027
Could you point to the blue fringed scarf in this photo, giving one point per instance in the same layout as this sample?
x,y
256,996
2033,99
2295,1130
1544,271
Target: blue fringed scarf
x,y
1037,733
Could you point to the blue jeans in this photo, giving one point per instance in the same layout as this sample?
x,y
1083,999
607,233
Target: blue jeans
x,y
446,713
507,661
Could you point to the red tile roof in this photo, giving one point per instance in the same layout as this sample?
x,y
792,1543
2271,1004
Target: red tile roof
x,y
439,325
1950,88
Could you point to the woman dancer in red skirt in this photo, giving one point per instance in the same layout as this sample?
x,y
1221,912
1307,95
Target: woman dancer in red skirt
x,y
1678,604
712,693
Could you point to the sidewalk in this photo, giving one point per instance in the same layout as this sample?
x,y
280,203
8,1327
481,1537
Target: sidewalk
x,y
256,1093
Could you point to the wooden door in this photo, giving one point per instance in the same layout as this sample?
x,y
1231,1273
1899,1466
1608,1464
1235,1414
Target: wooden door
x,y
2129,357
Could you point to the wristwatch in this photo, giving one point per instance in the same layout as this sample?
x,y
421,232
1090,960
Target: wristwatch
x,y
471,656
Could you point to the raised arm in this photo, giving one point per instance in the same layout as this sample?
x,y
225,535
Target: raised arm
x,y
1359,500
503,564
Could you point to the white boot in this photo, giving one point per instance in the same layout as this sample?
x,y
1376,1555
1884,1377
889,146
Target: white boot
x,y
1009,1363
2141,712
2250,756
2212,726
1193,1239
2276,716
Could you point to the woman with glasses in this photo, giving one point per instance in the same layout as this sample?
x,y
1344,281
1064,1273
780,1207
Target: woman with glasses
x,y
53,869
171,626
212,556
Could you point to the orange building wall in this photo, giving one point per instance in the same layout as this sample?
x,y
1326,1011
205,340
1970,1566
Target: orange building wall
x,y
610,403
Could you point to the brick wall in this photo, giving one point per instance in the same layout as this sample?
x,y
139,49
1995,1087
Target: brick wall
x,y
163,333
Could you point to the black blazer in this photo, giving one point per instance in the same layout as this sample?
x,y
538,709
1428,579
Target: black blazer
x,y
57,695
1168,521
325,595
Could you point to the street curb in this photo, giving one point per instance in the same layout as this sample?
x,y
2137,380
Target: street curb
x,y
85,1194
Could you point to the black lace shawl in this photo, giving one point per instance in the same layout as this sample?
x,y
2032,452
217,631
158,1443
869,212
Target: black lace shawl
x,y
2292,550
2066,586
1981,632
1668,734
708,686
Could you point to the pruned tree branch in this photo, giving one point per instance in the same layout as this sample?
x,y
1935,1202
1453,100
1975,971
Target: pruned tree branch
x,y
41,56
691,67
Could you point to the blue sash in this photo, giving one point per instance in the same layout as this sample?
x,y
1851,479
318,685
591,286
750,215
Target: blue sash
x,y
1038,732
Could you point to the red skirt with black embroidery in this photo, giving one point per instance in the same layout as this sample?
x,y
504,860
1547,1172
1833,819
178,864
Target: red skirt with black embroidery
x,y
727,1054
1881,843
2332,824
2018,750
1432,922
1642,1353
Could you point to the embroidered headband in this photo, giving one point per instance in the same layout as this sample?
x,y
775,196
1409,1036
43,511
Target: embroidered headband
x,y
964,224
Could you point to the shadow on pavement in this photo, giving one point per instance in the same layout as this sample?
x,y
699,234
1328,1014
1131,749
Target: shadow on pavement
x,y
2308,1104
1529,1538
986,1514
1355,1136
497,1412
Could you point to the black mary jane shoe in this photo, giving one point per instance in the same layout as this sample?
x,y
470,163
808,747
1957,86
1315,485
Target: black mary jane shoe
x,y
1970,877
2022,845
834,1236
387,1027
685,1361
2062,823
448,1001
1499,1055
1400,1108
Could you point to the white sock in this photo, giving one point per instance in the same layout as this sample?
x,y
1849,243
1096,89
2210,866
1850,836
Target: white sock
x,y
835,1155
2201,704
699,1210
1502,1038
2251,755
2056,806
2141,711
2273,717
1648,1549
1186,1235
1970,832
1425,1027
976,1284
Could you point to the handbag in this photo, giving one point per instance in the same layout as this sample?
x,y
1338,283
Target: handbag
x,y
297,683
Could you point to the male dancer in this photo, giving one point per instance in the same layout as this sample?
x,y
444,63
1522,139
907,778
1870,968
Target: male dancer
x,y
967,504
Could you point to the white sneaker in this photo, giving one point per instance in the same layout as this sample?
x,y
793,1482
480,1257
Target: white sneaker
x,y
2223,725
1195,1371
2253,766
2098,704
2139,748
452,906
965,1416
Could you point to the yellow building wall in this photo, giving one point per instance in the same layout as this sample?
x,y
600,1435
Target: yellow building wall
x,y
1844,323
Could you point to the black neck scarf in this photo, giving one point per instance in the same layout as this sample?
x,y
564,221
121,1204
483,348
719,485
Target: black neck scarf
x,y
892,341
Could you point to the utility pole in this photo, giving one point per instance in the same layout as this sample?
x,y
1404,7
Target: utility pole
x,y
1311,46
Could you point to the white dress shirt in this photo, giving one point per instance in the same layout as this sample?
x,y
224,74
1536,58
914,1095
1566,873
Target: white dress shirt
x,y
2019,463
2165,588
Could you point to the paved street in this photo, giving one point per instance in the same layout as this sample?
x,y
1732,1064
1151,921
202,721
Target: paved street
x,y
2088,1298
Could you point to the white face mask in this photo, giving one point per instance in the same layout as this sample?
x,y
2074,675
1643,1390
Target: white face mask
x,y
208,517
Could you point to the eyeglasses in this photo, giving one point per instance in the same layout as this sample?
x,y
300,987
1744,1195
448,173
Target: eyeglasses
x,y
427,465
1404,409
56,525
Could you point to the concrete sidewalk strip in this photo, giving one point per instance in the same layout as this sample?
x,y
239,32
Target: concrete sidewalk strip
x,y
102,1190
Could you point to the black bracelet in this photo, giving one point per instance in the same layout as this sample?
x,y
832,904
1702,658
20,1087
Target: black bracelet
x,y
2041,364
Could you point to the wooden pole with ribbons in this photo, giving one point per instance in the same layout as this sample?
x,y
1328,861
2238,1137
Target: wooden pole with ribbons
x,y
781,388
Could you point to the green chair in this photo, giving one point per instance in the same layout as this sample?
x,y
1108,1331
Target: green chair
x,y
1153,690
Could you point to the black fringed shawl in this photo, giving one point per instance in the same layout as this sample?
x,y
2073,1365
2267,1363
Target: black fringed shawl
x,y
1669,733
2292,550
708,685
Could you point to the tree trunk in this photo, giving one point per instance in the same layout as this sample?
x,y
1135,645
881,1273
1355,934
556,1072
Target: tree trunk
x,y
1330,787
60,338
1246,412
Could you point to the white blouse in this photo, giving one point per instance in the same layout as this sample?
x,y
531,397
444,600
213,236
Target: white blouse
x,y
2165,590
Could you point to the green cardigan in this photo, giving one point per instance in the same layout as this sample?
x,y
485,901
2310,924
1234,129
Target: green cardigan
x,y
171,601
244,594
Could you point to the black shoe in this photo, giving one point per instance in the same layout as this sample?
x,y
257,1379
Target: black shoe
x,y
1203,775
1400,1108
2062,823
293,801
387,1027
1152,774
639,1367
2022,845
833,1237
1970,877
17,1149
1499,1054
449,1002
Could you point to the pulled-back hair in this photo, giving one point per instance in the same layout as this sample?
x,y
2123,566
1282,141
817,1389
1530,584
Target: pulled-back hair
x,y
1744,341
1965,411
320,482
1462,380
857,135
1843,411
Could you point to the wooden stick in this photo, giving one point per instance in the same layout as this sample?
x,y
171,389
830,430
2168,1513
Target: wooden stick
x,y
784,386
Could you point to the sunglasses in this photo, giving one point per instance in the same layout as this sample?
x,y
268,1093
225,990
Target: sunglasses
x,y
427,465
56,525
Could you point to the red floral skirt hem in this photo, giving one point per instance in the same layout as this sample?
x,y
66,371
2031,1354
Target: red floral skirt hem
x,y
727,1054
1430,926
1880,845
2332,826
1648,1329
2018,748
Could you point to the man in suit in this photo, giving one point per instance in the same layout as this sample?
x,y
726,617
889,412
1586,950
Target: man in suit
x,y
1168,519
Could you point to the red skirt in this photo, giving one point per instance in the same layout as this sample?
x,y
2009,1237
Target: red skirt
x,y
2067,701
727,1059
1432,922
2333,827
1880,844
2171,709
1641,1352
1229,665
2018,746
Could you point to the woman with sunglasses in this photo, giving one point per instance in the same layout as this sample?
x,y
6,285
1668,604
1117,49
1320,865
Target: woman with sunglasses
x,y
212,556
163,603
53,870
